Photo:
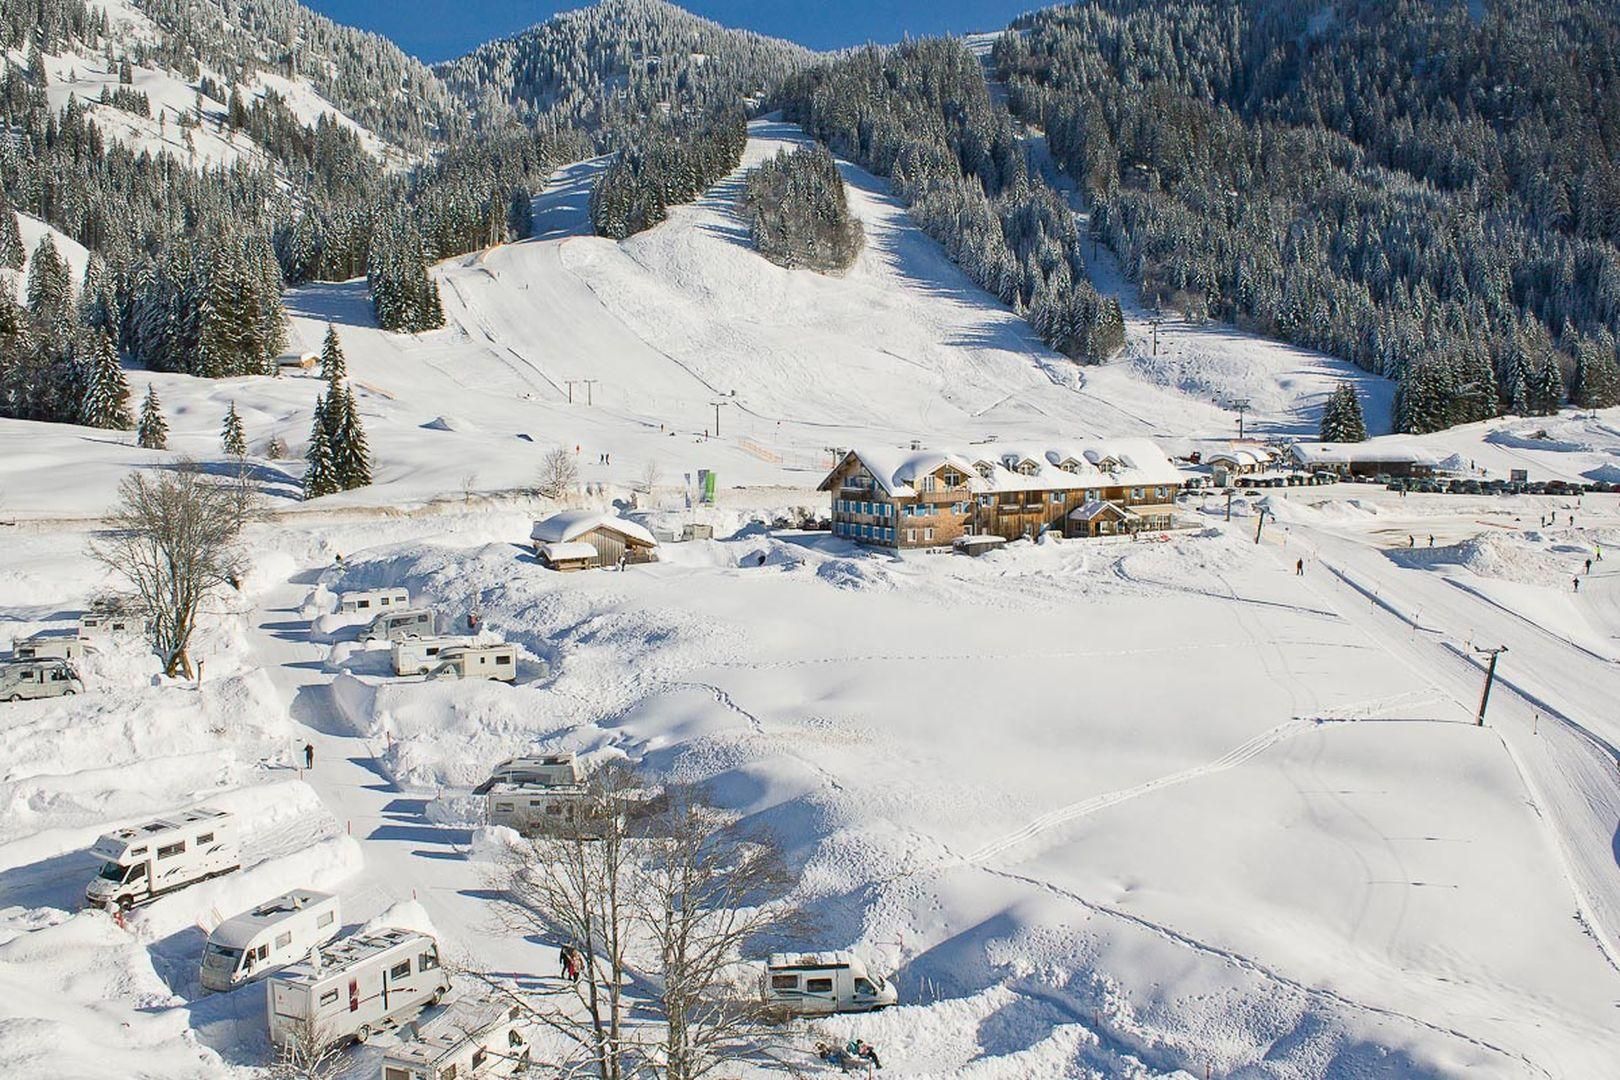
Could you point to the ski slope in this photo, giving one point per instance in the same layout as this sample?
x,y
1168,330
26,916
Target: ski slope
x,y
1102,809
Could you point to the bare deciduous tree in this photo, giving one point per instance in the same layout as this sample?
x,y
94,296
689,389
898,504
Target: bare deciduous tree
x,y
559,472
309,1053
704,891
172,538
650,475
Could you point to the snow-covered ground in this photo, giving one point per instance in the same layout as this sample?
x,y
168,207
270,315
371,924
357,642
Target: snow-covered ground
x,y
1103,808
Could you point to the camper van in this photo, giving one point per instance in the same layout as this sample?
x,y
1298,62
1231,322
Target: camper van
x,y
48,647
146,861
820,983
21,679
368,601
418,656
534,808
355,987
400,625
268,938
556,770
103,623
470,1039
498,662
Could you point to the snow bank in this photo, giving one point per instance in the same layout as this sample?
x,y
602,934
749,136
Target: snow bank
x,y
403,915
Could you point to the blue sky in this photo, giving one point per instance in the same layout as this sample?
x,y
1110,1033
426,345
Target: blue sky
x,y
441,29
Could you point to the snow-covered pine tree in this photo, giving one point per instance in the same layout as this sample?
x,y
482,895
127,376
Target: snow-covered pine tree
x,y
1596,382
12,253
351,456
98,306
231,437
1342,420
404,297
334,368
320,478
50,285
152,430
1546,385
106,393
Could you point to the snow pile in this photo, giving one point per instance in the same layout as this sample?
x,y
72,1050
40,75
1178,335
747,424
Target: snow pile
x,y
403,915
1517,557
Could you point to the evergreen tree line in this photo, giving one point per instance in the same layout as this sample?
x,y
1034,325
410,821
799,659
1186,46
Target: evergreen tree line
x,y
607,67
798,212
1433,197
665,164
338,457
921,115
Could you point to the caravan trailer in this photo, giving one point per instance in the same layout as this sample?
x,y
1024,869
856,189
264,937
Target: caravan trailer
x,y
821,983
400,626
146,861
534,794
26,679
470,1040
355,987
418,656
268,938
48,647
102,623
369,601
497,662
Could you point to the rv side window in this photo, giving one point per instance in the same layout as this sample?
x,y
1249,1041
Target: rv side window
x,y
784,982
169,851
448,1072
864,987
284,940
58,675
503,808
391,1073
818,986
480,1056
329,998
503,659
325,920
400,971
361,605
28,675
205,838
427,961
382,602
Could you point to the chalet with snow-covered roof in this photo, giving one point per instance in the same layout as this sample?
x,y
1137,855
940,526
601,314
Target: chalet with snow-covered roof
x,y
1376,457
928,498
582,539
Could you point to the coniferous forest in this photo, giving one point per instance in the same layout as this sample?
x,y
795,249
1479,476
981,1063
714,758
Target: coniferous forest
x,y
1428,188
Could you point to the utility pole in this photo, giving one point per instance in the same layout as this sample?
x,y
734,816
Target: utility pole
x,y
570,383
717,402
1154,322
1228,504
588,384
1242,406
1259,523
1490,677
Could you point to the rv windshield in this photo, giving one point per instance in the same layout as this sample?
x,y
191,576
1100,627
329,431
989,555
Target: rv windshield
x,y
114,872
221,957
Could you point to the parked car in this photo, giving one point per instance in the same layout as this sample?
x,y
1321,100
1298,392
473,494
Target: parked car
x,y
22,680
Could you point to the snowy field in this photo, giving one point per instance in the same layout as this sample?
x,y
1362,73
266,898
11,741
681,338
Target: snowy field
x,y
1102,808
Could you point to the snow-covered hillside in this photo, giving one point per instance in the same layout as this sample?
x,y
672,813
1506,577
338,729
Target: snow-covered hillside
x,y
1196,807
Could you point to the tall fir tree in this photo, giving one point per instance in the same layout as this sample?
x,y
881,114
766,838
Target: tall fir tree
x,y
12,253
231,437
334,368
50,286
152,430
321,476
351,456
106,393
1596,382
1342,420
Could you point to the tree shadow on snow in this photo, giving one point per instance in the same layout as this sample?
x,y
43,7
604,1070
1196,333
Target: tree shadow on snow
x,y
345,303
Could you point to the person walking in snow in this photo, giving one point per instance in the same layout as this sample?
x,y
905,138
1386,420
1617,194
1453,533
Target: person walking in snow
x,y
309,755
1588,566
1411,541
1577,584
1600,553
1431,539
1299,568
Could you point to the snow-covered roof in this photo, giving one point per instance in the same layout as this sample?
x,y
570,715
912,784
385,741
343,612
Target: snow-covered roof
x,y
1093,508
572,524
236,931
1239,456
1106,463
460,1023
1373,452
838,958
563,552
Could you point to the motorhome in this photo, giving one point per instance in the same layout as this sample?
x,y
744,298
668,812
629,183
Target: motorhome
x,y
534,808
24,679
48,647
400,625
557,770
268,938
146,861
471,1039
418,656
368,601
498,662
94,624
821,983
353,988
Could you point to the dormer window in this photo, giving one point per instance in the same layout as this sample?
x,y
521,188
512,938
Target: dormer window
x,y
1028,467
984,468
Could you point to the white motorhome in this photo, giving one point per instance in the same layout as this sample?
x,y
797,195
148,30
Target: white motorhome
x,y
472,1038
418,656
498,662
534,808
355,987
821,983
367,601
268,938
400,625
556,770
146,861
26,679
47,647
103,623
